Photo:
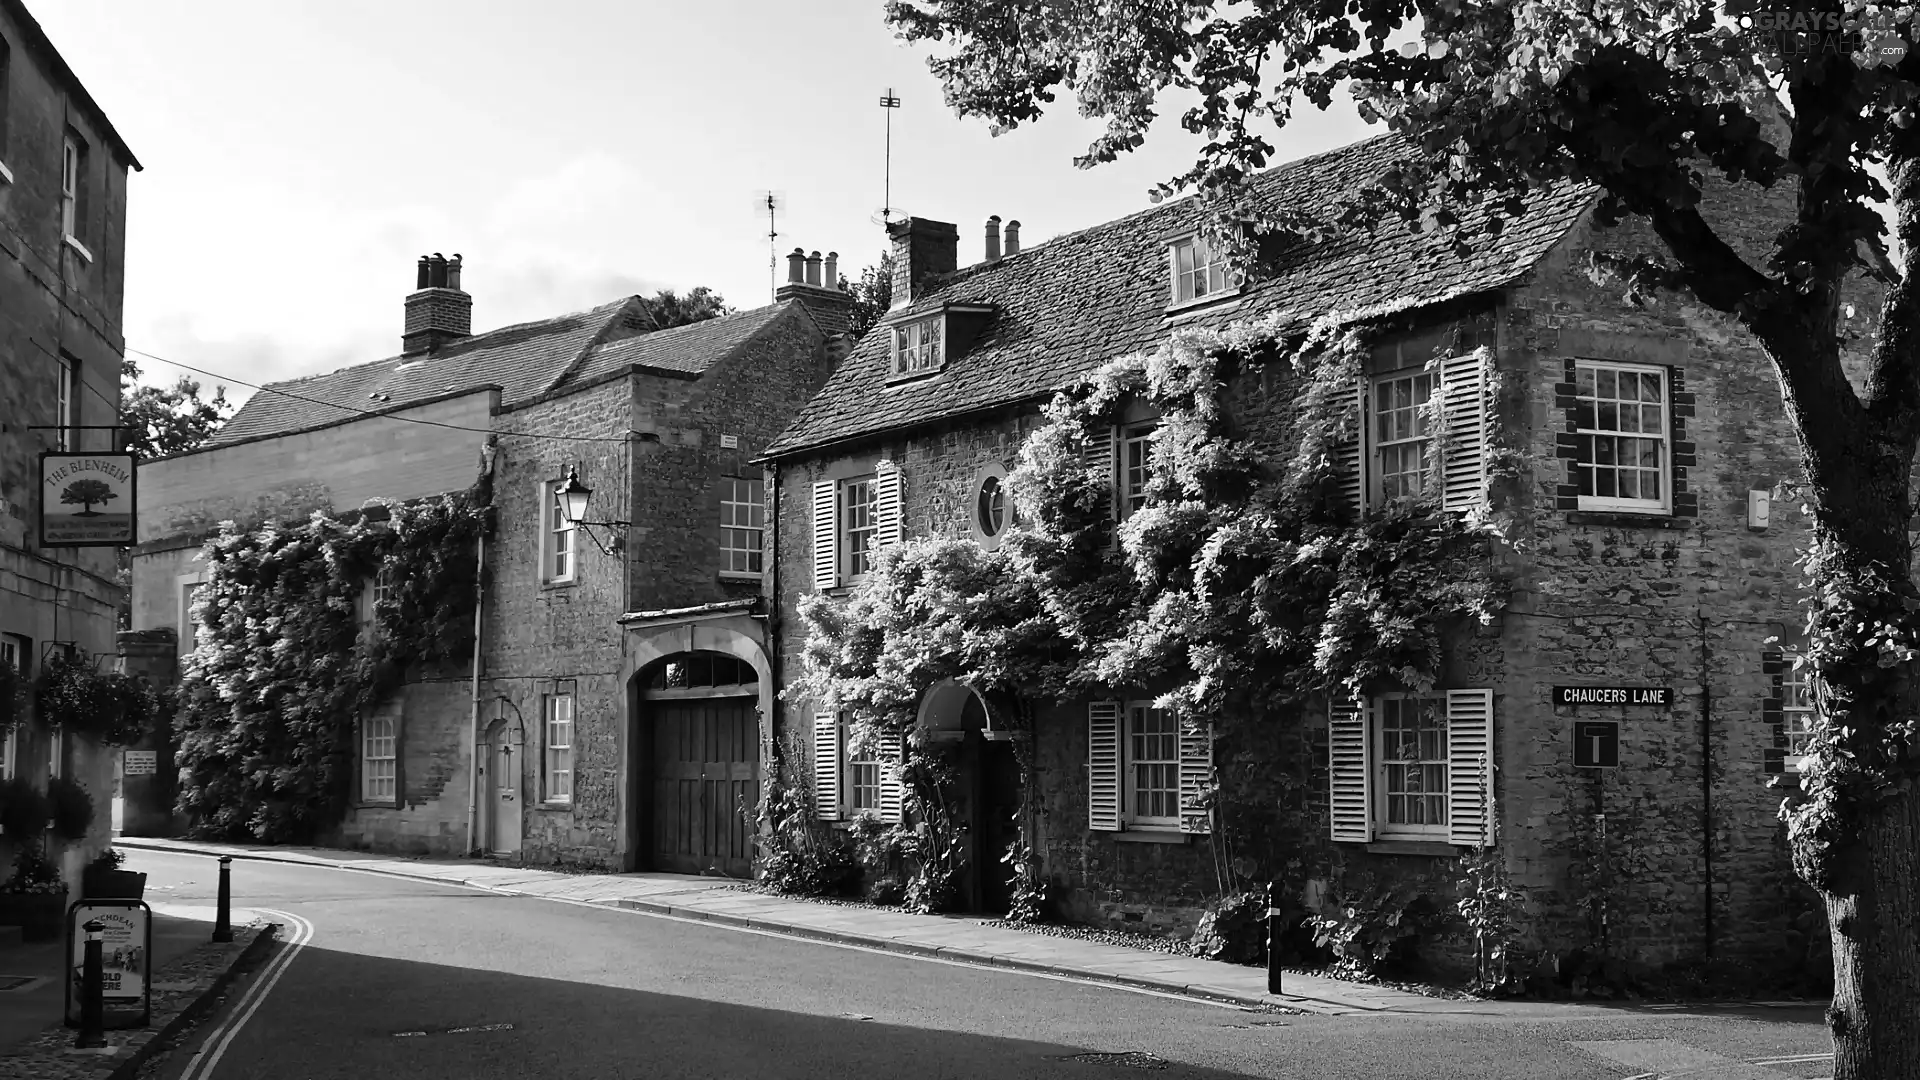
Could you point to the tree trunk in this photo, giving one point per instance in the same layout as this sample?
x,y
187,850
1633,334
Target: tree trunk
x,y
1875,1017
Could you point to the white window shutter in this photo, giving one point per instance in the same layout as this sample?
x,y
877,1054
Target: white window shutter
x,y
1196,776
1469,766
892,792
826,536
826,766
886,512
1103,766
1097,457
1350,768
1350,458
1463,403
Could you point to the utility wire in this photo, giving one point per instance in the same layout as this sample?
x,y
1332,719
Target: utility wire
x,y
370,414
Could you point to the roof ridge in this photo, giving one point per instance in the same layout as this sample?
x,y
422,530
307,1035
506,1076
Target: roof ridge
x,y
593,342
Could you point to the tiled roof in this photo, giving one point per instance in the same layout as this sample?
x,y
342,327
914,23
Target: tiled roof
x,y
523,360
1064,307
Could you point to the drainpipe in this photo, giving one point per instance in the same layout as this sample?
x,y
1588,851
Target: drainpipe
x,y
473,765
1706,775
773,620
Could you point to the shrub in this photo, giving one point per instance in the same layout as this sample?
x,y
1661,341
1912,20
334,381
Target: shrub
x,y
33,872
109,859
797,853
71,808
881,850
1376,931
1233,930
23,809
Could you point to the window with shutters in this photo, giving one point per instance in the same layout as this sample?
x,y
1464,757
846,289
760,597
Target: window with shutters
x,y
1411,767
1152,766
863,779
1136,467
1412,770
849,781
1621,420
859,520
1402,458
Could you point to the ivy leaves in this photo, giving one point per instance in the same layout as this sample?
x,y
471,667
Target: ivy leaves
x,y
284,667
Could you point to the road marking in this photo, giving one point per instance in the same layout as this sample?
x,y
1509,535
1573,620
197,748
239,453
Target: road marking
x,y
611,905
453,1031
1670,1059
207,1058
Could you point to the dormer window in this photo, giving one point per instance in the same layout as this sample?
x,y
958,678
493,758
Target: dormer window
x,y
1197,274
919,346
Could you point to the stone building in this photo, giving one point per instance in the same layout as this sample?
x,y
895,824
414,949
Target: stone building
x,y
1660,573
598,640
63,206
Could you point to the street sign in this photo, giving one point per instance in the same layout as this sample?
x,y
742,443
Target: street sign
x,y
126,957
141,763
1596,744
1658,696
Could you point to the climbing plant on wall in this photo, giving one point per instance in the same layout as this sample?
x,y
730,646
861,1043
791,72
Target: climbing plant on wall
x,y
284,667
1243,590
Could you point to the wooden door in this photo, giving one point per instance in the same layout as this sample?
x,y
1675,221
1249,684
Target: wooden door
x,y
503,788
705,770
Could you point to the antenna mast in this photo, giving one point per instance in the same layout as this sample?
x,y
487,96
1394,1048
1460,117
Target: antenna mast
x,y
889,103
772,204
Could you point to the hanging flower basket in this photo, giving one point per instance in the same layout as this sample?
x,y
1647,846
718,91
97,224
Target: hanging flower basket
x,y
109,707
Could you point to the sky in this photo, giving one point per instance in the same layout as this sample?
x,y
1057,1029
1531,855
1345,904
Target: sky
x,y
300,155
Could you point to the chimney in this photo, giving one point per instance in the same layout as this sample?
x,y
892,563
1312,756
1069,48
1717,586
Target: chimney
x,y
1013,238
831,308
922,249
438,311
993,238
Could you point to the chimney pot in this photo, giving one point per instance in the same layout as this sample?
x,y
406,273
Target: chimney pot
x,y
813,269
796,266
993,238
833,271
1013,238
453,271
421,277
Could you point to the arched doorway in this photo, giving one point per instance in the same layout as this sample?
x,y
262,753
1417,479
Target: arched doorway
x,y
501,773
987,793
698,737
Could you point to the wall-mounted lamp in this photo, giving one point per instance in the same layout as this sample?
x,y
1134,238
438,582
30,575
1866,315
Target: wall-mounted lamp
x,y
573,499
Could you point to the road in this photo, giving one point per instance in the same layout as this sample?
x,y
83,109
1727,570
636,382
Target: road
x,y
403,978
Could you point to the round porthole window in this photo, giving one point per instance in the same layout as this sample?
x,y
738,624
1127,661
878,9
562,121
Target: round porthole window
x,y
991,510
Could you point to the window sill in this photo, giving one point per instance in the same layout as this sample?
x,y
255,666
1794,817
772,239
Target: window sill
x,y
913,377
79,248
1628,519
377,804
1431,848
567,584
1219,299
6,174
741,575
1150,835
550,805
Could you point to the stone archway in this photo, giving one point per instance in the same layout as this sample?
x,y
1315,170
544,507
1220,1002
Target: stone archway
x,y
734,718
956,718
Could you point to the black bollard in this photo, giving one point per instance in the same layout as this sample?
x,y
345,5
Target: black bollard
x,y
223,915
1273,937
93,1020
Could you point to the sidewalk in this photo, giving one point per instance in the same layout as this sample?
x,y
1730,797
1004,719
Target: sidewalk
x,y
188,971
959,938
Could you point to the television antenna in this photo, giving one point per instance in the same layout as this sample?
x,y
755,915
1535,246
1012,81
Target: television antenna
x,y
889,103
773,204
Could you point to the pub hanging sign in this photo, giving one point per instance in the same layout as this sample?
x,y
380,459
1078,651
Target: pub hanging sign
x,y
1656,696
86,499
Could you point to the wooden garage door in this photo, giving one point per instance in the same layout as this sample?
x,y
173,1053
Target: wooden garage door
x,y
705,765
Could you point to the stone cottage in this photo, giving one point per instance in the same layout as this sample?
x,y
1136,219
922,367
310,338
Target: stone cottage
x,y
1634,682
640,601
